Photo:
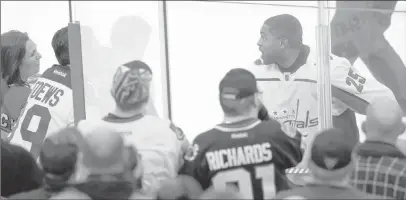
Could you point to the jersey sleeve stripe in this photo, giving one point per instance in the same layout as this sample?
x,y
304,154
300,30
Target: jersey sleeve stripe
x,y
356,103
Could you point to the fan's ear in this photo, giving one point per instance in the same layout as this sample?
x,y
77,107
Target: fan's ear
x,y
284,43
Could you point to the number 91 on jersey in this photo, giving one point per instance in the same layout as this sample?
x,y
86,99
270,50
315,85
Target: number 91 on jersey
x,y
262,174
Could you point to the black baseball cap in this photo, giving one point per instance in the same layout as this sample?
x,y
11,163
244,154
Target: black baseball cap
x,y
331,155
237,84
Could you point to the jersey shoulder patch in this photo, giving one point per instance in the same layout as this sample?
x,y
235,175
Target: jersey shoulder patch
x,y
191,152
179,133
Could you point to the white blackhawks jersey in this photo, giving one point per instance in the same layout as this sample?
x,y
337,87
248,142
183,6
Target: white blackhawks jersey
x,y
49,108
160,143
292,98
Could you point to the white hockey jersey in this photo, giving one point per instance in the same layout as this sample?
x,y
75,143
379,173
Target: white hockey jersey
x,y
291,98
49,108
160,143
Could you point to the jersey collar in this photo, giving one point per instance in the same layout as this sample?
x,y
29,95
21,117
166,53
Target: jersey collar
x,y
116,119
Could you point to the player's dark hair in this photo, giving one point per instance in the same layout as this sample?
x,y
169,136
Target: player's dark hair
x,y
238,109
288,27
12,54
60,44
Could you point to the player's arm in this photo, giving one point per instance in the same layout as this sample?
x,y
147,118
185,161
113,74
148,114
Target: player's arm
x,y
195,164
287,143
352,88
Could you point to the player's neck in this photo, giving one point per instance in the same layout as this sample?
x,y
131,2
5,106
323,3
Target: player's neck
x,y
290,58
233,119
127,114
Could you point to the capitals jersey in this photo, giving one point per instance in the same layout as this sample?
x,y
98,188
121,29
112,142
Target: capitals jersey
x,y
159,142
291,98
49,108
250,155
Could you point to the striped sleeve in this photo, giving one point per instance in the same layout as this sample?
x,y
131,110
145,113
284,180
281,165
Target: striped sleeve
x,y
352,88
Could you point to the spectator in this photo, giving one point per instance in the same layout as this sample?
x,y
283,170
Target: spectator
x,y
288,67
331,164
57,159
51,100
19,171
19,60
162,145
381,166
105,162
242,147
183,187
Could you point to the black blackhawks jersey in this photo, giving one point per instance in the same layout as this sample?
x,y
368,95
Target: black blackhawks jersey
x,y
250,155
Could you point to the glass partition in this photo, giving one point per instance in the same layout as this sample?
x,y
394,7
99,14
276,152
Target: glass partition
x,y
113,33
33,17
205,40
372,36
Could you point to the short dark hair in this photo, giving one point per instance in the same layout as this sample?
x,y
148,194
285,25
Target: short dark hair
x,y
60,44
286,26
12,54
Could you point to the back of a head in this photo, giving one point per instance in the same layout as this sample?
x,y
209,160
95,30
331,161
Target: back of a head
x,y
237,90
104,152
60,44
58,157
384,116
12,54
286,26
331,156
19,171
131,85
